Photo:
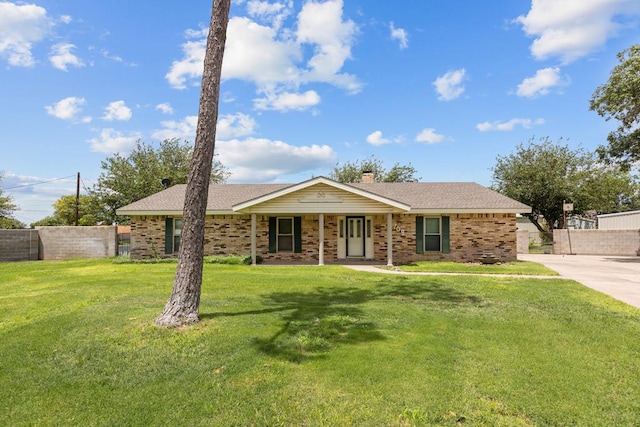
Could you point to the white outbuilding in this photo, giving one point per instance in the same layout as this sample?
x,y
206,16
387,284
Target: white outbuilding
x,y
620,221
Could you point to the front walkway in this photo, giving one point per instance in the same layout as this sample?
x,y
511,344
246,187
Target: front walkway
x,y
394,270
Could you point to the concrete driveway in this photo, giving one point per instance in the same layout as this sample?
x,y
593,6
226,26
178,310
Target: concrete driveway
x,y
617,276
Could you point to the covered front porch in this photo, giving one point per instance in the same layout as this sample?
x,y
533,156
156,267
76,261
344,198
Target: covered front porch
x,y
346,238
322,217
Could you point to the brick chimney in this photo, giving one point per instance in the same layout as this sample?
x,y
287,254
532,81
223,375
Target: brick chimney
x,y
367,177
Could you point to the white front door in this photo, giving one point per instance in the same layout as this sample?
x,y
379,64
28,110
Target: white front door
x,y
355,236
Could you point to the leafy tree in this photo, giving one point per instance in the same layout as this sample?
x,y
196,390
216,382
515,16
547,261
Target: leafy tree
x,y
126,179
352,172
65,212
7,207
10,223
619,99
546,174
184,303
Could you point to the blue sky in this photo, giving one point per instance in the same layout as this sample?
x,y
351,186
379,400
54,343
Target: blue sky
x,y
443,86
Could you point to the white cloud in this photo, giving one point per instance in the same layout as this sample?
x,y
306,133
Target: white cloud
x,y
184,129
429,136
508,126
261,160
21,26
288,101
375,138
165,108
272,13
400,35
321,25
541,83
571,29
61,56
450,86
67,108
65,19
229,126
273,58
235,126
117,110
112,141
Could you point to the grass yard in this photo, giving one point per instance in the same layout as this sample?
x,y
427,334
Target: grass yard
x,y
314,346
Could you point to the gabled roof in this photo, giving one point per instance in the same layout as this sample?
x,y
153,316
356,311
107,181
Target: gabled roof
x,y
322,180
414,197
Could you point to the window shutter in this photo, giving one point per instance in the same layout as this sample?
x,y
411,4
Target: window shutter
x,y
272,234
297,234
419,234
445,235
168,236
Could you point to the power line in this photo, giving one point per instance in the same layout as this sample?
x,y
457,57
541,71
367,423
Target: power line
x,y
38,183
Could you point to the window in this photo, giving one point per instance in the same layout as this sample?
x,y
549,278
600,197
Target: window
x,y
432,236
177,232
172,234
285,234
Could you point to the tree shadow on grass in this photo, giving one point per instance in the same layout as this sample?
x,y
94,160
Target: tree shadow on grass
x,y
313,322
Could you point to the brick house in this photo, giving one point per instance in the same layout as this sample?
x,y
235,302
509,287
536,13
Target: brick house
x,y
321,220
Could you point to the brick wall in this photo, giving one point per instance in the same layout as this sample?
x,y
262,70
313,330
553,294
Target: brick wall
x,y
58,243
18,245
472,235
597,242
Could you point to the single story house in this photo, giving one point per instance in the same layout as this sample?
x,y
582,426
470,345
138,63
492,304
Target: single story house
x,y
321,220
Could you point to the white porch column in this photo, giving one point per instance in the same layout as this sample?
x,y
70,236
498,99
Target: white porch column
x,y
389,239
253,239
321,238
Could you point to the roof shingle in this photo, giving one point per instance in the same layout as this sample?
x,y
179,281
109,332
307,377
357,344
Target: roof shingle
x,y
419,195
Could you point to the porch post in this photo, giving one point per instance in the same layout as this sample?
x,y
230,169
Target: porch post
x,y
390,240
321,238
253,239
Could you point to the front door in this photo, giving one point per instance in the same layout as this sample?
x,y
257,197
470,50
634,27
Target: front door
x,y
355,236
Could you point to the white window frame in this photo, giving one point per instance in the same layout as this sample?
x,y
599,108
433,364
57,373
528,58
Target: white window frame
x,y
439,234
278,234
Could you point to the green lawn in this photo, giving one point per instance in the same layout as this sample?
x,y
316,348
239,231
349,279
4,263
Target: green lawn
x,y
516,267
309,345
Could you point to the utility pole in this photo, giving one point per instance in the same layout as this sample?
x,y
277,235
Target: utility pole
x,y
77,197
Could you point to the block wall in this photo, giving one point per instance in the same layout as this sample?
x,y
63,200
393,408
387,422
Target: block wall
x,y
57,243
524,237
18,245
597,242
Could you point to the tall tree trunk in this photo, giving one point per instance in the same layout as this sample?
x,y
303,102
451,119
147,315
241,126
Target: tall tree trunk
x,y
184,302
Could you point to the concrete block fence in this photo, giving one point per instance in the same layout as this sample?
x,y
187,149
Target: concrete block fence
x,y
597,242
19,245
58,243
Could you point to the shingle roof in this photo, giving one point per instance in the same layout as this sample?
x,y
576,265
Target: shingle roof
x,y
443,195
421,196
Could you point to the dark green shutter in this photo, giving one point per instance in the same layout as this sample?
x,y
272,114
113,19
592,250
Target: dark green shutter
x,y
297,234
419,234
168,236
272,234
445,235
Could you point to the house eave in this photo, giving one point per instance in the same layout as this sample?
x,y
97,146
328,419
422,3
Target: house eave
x,y
450,211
